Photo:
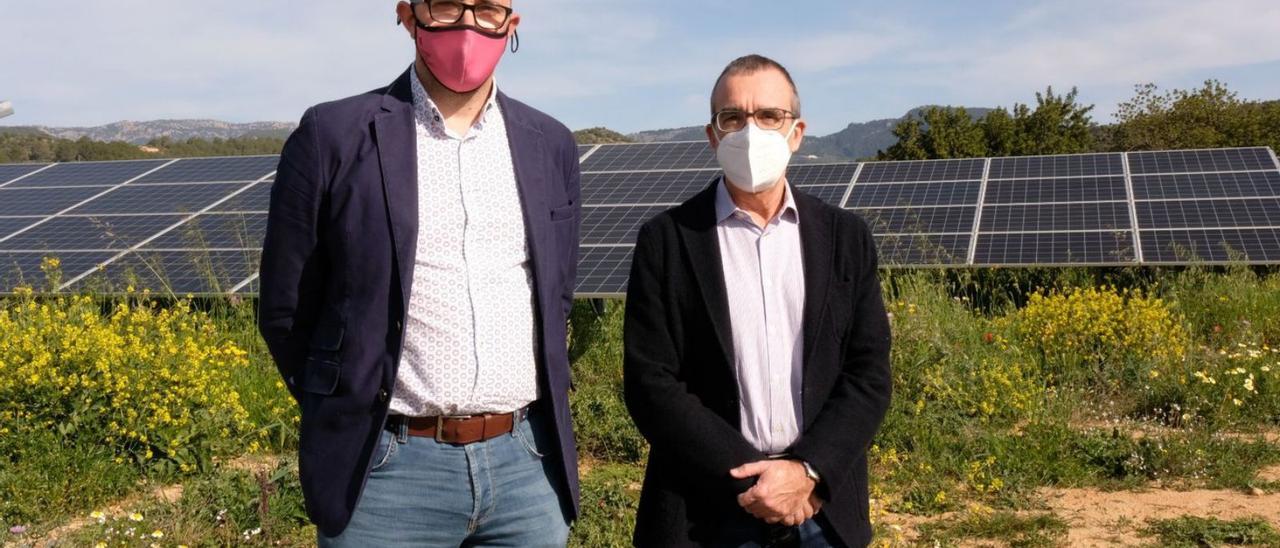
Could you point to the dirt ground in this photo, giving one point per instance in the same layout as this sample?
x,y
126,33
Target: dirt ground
x,y
1100,518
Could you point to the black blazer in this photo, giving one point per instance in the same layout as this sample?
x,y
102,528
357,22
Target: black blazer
x,y
338,262
681,388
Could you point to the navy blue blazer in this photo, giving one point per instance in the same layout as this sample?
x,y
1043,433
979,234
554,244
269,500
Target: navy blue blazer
x,y
337,266
682,391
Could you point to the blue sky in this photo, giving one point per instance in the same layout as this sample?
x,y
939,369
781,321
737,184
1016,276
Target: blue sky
x,y
627,65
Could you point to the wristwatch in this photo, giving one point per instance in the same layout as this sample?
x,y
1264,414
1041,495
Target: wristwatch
x,y
810,472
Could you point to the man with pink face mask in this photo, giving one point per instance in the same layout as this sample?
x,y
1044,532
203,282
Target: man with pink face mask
x,y
416,279
756,343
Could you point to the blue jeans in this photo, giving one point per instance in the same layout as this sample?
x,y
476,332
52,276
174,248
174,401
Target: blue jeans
x,y
745,531
497,492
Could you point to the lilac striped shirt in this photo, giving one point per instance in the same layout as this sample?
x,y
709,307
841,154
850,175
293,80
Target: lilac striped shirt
x,y
764,280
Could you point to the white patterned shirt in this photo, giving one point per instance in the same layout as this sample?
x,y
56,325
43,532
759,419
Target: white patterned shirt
x,y
469,336
764,279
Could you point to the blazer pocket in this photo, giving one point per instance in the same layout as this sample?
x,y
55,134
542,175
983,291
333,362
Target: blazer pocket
x,y
320,377
564,212
328,337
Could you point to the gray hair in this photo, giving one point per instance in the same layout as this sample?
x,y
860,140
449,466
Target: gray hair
x,y
751,64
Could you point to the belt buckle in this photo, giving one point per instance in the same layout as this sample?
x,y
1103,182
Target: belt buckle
x,y
440,425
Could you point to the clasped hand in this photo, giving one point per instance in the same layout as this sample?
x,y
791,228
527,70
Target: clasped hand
x,y
783,493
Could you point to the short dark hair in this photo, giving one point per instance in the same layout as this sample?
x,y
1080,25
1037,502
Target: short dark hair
x,y
751,64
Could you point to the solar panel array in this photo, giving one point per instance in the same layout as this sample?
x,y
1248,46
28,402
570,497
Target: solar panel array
x,y
196,225
173,226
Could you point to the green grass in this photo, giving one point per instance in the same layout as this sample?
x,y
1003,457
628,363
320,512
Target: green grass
x,y
1015,530
1191,532
610,495
225,507
979,416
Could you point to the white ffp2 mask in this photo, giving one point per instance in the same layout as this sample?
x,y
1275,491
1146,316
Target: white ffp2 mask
x,y
754,159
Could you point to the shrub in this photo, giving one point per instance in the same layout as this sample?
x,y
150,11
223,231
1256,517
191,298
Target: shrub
x,y
152,383
603,424
1235,384
610,496
1102,337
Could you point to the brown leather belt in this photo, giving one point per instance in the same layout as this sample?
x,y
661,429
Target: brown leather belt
x,y
459,430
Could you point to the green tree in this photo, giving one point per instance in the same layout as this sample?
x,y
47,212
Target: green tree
x,y
999,130
1058,124
939,132
599,135
1211,116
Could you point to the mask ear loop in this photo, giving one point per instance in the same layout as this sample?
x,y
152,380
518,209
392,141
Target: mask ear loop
x,y
515,41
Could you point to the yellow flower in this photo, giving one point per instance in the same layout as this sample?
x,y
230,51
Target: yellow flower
x,y
135,517
157,534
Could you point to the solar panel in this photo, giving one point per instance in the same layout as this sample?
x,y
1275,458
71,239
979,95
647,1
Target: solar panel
x,y
208,170
922,249
9,172
922,170
43,201
1186,206
1206,185
87,173
831,194
670,187
1209,213
1056,217
615,225
23,268
914,194
821,174
1030,191
603,271
1201,161
215,231
256,198
1054,248
9,225
90,233
920,220
1217,246
1076,165
168,198
196,271
651,156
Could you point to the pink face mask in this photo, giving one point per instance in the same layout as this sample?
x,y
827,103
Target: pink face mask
x,y
461,58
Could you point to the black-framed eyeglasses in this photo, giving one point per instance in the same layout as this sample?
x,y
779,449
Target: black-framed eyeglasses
x,y
488,16
730,120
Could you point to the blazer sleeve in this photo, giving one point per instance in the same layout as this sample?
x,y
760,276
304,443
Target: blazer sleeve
x,y
666,413
845,426
289,272
573,189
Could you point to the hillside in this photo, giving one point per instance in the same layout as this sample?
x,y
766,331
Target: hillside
x,y
178,130
858,140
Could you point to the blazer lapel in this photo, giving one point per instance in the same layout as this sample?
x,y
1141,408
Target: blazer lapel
x,y
817,253
703,243
527,155
398,156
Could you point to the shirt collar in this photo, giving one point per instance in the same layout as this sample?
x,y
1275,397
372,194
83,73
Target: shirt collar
x,y
725,207
423,104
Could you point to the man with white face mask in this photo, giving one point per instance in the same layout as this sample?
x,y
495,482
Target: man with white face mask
x,y
756,345
416,277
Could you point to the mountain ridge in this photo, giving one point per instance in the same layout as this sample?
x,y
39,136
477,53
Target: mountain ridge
x,y
857,141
